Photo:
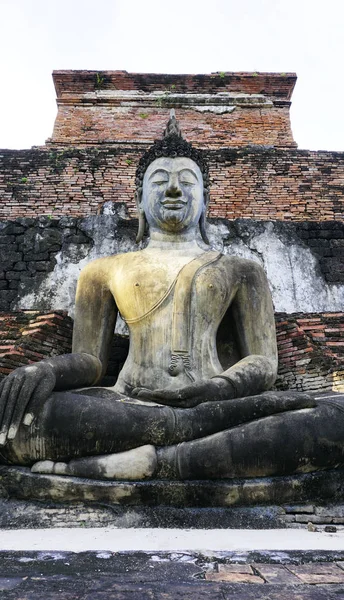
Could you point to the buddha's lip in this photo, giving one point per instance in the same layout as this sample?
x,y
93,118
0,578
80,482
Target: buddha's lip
x,y
173,205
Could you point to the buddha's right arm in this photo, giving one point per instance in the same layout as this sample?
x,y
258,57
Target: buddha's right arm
x,y
94,322
27,387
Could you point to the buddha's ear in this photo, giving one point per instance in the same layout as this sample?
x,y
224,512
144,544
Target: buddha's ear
x,y
141,215
202,220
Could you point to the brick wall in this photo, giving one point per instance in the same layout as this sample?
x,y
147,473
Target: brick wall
x,y
255,125
30,336
74,83
289,185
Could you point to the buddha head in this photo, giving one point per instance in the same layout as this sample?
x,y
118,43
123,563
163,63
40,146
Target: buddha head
x,y
172,185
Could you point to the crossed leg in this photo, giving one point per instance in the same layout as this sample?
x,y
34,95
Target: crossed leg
x,y
299,440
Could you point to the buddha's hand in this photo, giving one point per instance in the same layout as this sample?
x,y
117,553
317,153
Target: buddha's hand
x,y
22,391
208,390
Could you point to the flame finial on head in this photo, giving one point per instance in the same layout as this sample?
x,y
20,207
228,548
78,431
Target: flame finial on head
x,y
171,144
172,127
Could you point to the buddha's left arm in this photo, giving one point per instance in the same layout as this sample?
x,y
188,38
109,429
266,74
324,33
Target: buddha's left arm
x,y
253,314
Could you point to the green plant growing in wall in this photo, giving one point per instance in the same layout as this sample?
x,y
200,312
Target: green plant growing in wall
x,y
128,161
99,81
143,115
160,101
57,160
222,74
23,180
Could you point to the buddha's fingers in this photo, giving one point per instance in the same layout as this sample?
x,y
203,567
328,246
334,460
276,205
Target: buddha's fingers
x,y
32,395
5,388
10,396
26,393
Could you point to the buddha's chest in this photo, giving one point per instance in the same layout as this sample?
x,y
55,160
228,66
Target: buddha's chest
x,y
142,290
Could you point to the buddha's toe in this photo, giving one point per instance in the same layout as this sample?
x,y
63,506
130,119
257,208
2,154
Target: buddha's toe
x,y
50,467
139,463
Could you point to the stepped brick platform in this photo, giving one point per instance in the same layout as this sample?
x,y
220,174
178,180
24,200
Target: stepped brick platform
x,y
219,109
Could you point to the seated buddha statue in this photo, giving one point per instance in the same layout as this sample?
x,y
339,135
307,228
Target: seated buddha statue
x,y
185,405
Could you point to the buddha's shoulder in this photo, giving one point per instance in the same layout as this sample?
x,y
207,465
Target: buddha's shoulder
x,y
244,265
102,267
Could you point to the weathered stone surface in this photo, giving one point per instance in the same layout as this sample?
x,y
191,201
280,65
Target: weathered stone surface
x,y
301,508
234,573
24,514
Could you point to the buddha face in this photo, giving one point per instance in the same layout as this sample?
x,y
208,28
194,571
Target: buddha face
x,y
172,195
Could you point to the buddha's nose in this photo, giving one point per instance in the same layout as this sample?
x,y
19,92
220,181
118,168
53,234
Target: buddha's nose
x,y
173,190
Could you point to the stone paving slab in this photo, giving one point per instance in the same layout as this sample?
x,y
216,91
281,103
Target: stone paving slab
x,y
276,574
318,573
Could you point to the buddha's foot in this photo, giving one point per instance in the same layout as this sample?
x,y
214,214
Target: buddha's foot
x,y
139,463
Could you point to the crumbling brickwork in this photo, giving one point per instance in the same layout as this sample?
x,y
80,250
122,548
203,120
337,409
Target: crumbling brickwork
x,y
30,336
310,352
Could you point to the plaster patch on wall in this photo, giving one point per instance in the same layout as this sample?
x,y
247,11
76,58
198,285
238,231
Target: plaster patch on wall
x,y
217,110
295,279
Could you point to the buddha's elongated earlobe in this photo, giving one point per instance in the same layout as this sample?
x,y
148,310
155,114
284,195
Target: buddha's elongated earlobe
x,y
141,214
142,226
202,220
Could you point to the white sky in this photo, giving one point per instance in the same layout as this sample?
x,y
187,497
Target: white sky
x,y
179,36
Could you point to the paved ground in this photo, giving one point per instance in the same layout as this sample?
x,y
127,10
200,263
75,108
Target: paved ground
x,y
170,564
170,576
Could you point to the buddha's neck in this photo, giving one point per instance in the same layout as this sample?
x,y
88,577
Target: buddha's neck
x,y
185,242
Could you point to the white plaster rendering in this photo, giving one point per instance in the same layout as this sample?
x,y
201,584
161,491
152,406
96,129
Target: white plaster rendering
x,y
217,110
57,291
292,269
131,97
